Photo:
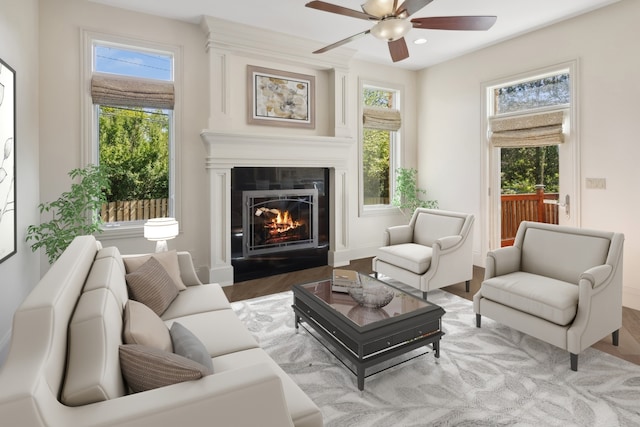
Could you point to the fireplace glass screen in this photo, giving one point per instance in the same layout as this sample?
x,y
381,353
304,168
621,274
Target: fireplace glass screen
x,y
279,220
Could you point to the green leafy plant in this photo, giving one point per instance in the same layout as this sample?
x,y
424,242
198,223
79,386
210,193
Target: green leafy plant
x,y
74,213
407,194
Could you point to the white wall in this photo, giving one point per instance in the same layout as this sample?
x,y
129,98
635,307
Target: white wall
x,y
19,49
61,24
605,44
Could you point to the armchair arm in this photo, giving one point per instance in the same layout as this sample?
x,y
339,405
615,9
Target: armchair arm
x,y
398,234
597,275
502,261
448,242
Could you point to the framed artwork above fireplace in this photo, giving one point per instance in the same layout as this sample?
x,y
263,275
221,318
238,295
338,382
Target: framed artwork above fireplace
x,y
280,98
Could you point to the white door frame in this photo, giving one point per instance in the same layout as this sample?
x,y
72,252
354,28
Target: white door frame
x,y
569,159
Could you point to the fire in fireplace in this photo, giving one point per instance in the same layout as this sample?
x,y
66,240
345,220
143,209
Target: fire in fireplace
x,y
279,220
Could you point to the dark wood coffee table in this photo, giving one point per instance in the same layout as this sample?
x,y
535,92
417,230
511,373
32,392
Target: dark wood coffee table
x,y
367,336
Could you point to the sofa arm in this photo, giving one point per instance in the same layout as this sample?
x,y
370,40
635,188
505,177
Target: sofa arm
x,y
502,261
597,275
248,396
187,270
397,235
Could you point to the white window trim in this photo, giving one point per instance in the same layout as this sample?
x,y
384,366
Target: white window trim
x,y
395,151
89,129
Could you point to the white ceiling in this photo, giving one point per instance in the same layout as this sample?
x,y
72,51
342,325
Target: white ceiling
x,y
291,17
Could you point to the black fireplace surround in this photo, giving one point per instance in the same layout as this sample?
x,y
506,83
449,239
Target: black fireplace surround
x,y
292,202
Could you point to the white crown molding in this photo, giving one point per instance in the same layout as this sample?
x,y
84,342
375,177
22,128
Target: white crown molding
x,y
258,42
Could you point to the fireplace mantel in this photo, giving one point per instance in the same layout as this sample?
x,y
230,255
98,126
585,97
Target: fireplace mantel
x,y
226,150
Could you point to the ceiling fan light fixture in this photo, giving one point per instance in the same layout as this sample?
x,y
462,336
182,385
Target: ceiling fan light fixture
x,y
379,8
391,29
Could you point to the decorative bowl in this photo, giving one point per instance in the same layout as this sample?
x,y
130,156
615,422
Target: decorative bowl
x,y
372,294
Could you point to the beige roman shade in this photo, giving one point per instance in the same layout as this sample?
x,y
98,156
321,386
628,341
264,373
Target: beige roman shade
x,y
131,92
527,130
381,118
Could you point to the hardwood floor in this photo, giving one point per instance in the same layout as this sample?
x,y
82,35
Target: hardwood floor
x,y
629,340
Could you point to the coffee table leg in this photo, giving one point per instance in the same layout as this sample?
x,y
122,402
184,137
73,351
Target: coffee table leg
x,y
297,322
436,348
360,371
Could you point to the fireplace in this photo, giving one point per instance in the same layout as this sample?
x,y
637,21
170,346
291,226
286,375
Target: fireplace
x,y
279,220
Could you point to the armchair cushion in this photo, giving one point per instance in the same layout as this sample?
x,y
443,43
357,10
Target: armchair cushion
x,y
409,256
544,297
429,228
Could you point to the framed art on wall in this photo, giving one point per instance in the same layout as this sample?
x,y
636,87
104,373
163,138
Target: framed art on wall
x,y
7,161
280,98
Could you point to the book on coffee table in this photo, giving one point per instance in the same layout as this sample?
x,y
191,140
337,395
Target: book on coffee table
x,y
343,280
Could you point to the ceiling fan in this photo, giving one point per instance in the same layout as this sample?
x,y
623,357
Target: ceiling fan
x,y
393,23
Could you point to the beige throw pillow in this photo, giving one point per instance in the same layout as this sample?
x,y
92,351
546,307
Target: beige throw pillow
x,y
146,368
143,326
152,286
168,259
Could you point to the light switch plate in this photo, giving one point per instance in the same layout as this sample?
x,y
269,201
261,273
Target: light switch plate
x,y
596,183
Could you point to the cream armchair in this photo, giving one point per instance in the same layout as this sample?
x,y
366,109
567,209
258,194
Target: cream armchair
x,y
562,285
432,251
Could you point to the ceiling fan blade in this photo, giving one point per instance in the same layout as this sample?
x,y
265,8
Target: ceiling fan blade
x,y
473,23
409,7
328,7
341,42
398,50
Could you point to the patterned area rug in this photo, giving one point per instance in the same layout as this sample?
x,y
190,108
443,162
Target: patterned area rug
x,y
492,376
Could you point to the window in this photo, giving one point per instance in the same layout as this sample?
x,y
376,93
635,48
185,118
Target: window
x,y
132,92
527,124
380,136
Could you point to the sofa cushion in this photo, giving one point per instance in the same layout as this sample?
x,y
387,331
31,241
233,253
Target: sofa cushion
x,y
112,252
151,285
143,326
168,259
108,274
94,334
220,331
188,345
544,297
197,299
410,256
146,368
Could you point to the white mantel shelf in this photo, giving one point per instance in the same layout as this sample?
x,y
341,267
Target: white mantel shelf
x,y
230,149
226,150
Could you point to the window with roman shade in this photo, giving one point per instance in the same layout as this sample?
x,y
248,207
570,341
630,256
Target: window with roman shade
x,y
527,130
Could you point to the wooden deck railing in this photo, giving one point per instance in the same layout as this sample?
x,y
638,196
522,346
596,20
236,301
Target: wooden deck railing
x,y
516,208
134,210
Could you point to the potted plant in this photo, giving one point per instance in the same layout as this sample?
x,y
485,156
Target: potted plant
x,y
74,213
407,194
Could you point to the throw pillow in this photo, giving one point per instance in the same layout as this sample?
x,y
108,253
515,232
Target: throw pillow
x,y
143,326
152,286
186,344
168,259
145,368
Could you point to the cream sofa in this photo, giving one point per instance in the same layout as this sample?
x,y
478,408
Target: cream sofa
x,y
562,285
50,362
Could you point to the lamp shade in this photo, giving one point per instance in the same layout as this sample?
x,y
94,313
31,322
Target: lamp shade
x,y
157,229
391,29
379,8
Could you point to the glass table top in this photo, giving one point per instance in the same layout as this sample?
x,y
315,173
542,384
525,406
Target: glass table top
x,y
401,303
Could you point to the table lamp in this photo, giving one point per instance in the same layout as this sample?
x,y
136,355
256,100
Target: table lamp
x,y
160,230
